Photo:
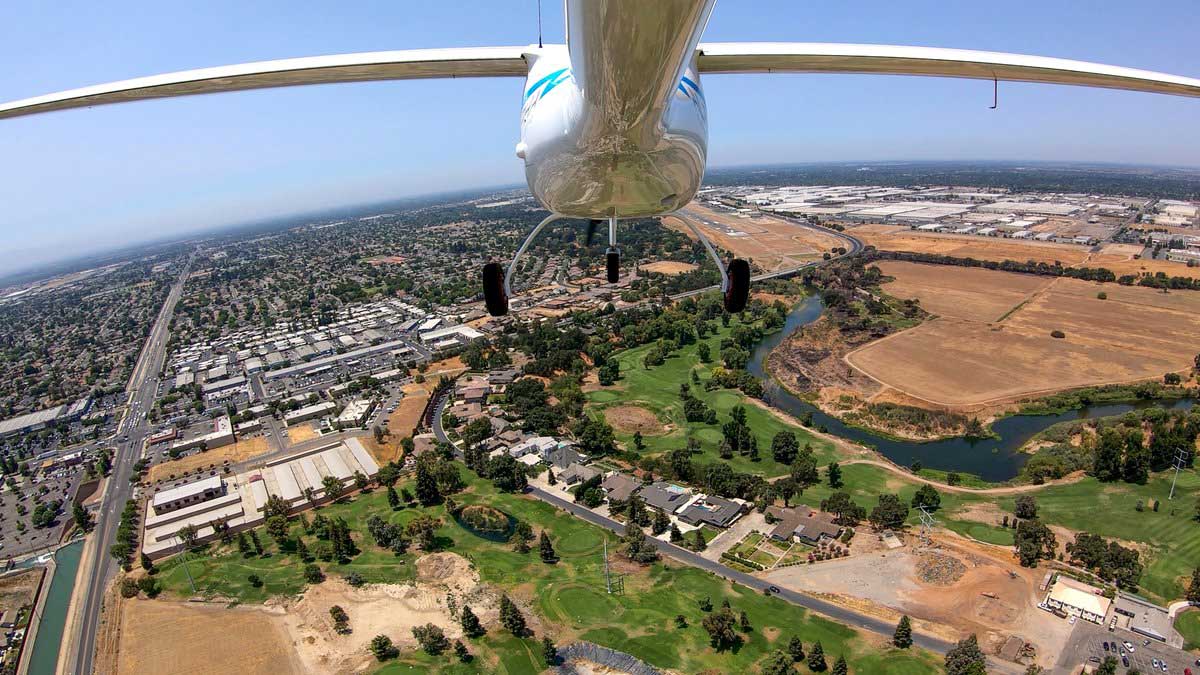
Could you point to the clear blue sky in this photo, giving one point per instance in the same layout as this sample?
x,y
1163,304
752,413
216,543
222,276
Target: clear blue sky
x,y
80,180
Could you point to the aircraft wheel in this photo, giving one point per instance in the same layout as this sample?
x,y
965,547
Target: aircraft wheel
x,y
738,292
493,289
613,263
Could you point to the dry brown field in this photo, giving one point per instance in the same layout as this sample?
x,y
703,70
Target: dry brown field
x,y
179,638
630,418
901,238
668,267
772,243
305,431
234,453
960,292
961,360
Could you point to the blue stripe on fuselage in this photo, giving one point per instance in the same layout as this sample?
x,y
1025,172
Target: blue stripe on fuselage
x,y
542,81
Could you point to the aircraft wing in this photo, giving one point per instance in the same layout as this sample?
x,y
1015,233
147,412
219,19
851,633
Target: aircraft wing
x,y
801,57
367,66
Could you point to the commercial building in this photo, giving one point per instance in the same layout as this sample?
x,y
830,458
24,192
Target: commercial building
x,y
1143,617
221,434
355,413
187,495
1077,598
309,412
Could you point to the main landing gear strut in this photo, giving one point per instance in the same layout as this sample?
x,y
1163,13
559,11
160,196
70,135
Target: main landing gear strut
x,y
497,282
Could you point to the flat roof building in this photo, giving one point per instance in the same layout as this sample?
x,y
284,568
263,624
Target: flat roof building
x,y
1075,597
309,412
187,495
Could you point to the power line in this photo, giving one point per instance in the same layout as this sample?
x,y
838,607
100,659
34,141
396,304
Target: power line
x,y
1182,456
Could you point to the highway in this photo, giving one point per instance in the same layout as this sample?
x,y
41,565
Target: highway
x,y
131,432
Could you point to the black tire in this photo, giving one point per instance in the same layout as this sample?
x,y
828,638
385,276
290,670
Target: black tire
x,y
738,293
613,263
493,289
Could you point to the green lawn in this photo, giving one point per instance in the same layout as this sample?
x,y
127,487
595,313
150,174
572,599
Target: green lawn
x,y
569,596
657,389
1188,625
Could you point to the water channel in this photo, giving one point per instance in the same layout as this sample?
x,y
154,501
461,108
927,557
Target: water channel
x,y
44,659
993,458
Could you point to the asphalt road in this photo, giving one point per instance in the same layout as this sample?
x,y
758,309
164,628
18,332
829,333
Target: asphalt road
x,y
143,386
834,612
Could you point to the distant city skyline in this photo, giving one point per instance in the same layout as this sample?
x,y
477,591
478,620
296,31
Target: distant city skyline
x,y
90,180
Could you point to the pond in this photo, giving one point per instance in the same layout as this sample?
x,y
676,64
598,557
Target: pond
x,y
993,459
487,523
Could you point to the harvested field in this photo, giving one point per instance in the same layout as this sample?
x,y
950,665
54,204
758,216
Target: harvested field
x,y
233,453
1138,333
179,638
772,243
627,419
668,267
961,292
901,238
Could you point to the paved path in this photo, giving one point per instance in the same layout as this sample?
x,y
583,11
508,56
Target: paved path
x,y
1006,490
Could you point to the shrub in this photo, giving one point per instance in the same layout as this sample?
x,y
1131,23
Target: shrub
x,y
1057,334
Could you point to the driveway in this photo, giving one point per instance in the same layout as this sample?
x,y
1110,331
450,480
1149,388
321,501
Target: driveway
x,y
751,522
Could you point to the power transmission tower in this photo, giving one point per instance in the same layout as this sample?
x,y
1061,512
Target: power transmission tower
x,y
927,523
1182,455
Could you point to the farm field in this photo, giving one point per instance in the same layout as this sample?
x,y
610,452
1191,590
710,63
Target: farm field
x,y
901,238
970,293
565,600
769,242
656,392
1137,333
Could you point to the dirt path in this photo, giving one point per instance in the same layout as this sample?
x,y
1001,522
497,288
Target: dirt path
x,y
1006,490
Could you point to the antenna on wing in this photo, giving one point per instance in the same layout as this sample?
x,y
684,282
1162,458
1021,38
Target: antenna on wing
x,y
539,24
995,92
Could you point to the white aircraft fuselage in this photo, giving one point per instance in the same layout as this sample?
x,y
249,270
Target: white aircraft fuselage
x,y
614,124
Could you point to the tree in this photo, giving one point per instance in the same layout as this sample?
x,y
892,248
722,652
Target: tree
x,y
637,548
720,626
147,563
277,527
549,652
313,573
902,638
187,535
431,638
511,617
1193,593
341,620
332,486
355,579
816,658
546,548
382,648
833,474
784,447
744,622
460,650
523,534
778,663
258,547
1026,508
844,510
255,580
840,667
422,530
965,658
1136,468
471,626
795,649
1034,541
1108,666
660,524
1107,463
83,519
676,535
393,498
427,489
890,512
928,497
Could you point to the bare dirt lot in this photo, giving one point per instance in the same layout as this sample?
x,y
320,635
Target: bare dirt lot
x,y
180,638
1137,333
296,635
627,419
16,590
305,431
961,292
771,243
234,453
955,588
668,267
901,238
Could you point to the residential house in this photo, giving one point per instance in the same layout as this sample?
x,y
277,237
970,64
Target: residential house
x,y
711,510
619,487
803,524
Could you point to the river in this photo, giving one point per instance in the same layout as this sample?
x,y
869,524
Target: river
x,y
44,659
994,459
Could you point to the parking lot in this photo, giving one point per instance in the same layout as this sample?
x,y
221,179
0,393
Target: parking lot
x,y
1087,642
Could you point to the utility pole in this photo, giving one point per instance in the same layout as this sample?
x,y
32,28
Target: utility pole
x,y
183,557
607,581
1182,455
